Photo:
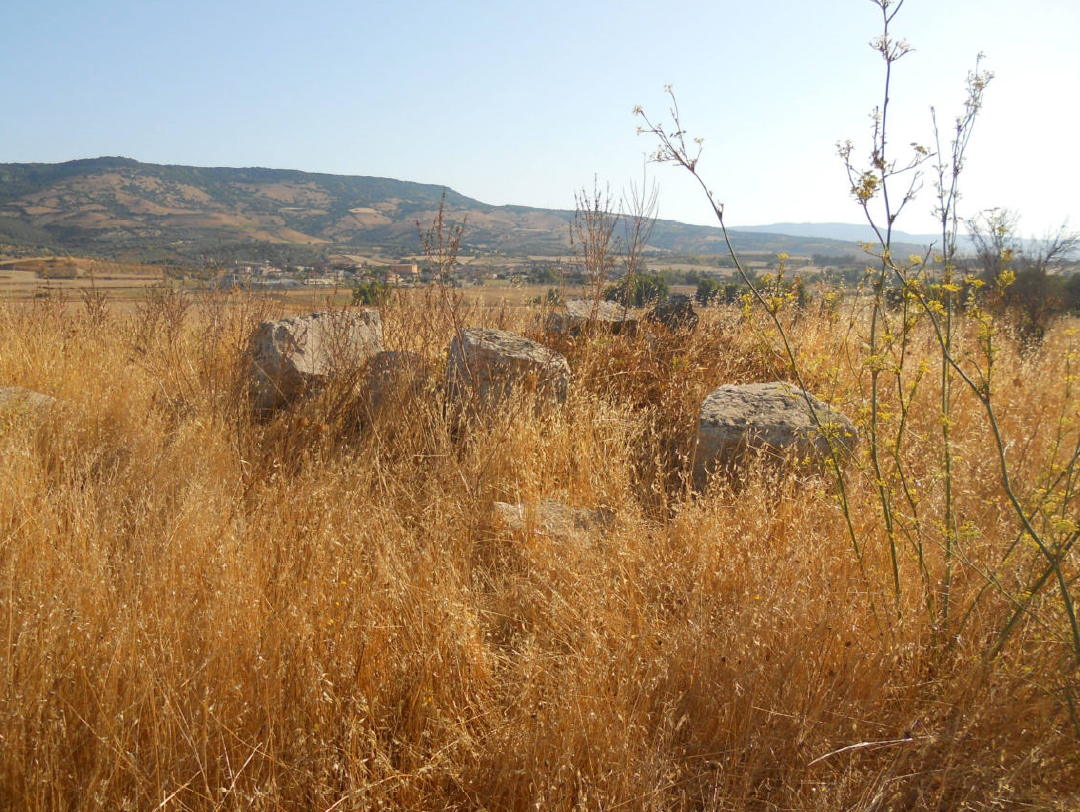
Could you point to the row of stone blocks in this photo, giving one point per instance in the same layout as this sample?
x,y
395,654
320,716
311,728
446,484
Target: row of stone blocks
x,y
298,355
293,357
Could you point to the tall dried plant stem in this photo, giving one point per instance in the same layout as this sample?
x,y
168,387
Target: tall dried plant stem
x,y
674,149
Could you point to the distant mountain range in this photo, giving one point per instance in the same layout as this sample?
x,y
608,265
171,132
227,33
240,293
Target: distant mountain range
x,y
121,207
836,231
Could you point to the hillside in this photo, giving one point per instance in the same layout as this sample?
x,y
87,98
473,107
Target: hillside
x,y
121,207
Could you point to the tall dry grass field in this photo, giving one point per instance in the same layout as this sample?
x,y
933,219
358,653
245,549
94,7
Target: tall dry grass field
x,y
199,611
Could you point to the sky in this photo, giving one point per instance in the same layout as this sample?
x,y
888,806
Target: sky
x,y
526,104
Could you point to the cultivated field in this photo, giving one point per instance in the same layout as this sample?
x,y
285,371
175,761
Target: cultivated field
x,y
27,278
200,611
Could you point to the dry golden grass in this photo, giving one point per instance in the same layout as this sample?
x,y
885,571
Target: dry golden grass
x,y
199,611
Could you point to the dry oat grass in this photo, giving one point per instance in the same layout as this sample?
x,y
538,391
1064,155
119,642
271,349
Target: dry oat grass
x,y
201,612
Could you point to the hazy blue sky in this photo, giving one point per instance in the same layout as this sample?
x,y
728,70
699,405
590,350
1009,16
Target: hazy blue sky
x,y
524,103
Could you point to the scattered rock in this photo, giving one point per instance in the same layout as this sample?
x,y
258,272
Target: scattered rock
x,y
14,400
395,378
550,517
581,315
484,366
770,416
676,313
295,355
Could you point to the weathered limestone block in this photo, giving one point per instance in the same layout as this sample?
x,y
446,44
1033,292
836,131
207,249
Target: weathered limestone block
x,y
14,400
676,313
769,416
550,517
395,379
581,315
296,355
484,366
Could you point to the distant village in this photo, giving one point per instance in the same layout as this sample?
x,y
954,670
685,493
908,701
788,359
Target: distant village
x,y
338,272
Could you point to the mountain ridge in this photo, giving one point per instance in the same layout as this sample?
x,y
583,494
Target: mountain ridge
x,y
857,232
114,205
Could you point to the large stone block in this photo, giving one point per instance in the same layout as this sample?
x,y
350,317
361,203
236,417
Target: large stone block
x,y
676,313
775,417
552,518
484,366
295,355
395,380
581,315
14,400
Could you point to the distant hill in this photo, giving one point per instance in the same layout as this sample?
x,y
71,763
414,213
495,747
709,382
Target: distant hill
x,y
851,232
121,207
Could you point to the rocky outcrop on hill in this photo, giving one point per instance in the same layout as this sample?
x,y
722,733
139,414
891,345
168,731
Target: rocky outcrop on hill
x,y
484,366
580,315
292,356
774,417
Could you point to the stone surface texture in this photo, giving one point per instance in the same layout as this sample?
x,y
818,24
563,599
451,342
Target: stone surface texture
x,y
395,378
485,365
768,416
676,313
580,315
16,400
293,356
550,517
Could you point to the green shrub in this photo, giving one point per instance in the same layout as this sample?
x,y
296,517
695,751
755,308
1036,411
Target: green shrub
x,y
639,290
371,293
